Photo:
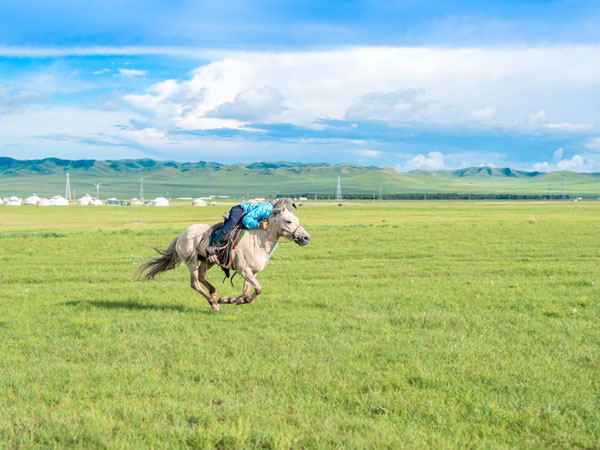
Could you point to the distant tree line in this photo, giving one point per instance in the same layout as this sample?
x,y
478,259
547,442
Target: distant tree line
x,y
427,196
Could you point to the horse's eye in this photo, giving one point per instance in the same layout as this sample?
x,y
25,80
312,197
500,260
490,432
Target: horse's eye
x,y
288,221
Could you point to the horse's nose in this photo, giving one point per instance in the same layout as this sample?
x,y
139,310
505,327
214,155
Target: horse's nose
x,y
305,239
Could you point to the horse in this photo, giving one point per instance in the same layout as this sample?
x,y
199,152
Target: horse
x,y
249,257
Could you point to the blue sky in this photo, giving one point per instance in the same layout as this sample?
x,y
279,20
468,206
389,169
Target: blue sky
x,y
406,84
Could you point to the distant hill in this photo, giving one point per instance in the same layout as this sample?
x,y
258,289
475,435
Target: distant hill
x,y
120,178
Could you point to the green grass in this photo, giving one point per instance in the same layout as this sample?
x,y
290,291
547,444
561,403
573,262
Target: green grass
x,y
406,325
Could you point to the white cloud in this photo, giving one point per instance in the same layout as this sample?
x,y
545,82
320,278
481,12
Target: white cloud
x,y
67,132
541,167
577,163
129,50
593,144
368,153
537,117
433,160
101,71
250,105
132,72
415,85
565,126
557,155
484,114
12,99
396,105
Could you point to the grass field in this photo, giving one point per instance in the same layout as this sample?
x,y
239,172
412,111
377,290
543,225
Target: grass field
x,y
406,325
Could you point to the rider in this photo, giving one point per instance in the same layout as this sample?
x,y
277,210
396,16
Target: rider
x,y
251,215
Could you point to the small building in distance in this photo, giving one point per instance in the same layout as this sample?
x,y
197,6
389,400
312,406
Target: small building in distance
x,y
31,200
135,202
96,202
43,202
13,201
198,202
1,201
59,200
114,202
160,201
85,200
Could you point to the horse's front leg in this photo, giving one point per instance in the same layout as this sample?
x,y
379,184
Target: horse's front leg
x,y
250,278
245,292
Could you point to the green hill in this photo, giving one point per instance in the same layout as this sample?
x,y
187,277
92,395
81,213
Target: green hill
x,y
120,178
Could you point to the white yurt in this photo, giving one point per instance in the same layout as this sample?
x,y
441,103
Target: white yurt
x,y
1,201
113,202
31,200
59,200
135,202
198,202
13,201
95,202
160,201
85,200
43,202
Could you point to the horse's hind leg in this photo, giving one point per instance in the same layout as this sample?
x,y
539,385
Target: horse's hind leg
x,y
195,280
205,267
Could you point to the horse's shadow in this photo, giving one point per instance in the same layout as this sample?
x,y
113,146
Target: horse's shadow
x,y
134,305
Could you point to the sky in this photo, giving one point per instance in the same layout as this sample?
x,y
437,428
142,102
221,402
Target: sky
x,y
408,84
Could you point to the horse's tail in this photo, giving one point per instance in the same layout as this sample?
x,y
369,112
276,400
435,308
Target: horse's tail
x,y
168,260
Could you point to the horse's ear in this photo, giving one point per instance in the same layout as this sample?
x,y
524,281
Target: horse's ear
x,y
279,207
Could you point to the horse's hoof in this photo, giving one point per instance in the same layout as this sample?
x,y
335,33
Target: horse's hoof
x,y
215,307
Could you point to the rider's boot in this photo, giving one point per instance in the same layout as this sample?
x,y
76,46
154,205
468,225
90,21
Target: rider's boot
x,y
211,251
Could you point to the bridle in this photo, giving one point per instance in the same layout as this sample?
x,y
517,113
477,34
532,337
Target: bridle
x,y
293,233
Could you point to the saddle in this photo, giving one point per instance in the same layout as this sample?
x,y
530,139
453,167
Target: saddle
x,y
223,254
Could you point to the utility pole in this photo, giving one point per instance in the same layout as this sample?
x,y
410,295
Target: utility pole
x,y
564,193
142,190
380,197
338,195
68,189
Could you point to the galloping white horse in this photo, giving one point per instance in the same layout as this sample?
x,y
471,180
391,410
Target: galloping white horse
x,y
248,258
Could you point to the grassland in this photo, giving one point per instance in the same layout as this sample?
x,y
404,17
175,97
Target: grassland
x,y
406,325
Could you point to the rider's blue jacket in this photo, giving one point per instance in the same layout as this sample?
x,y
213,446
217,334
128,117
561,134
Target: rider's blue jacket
x,y
255,213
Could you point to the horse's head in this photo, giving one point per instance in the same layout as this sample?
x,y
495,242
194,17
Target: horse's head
x,y
288,225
